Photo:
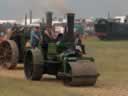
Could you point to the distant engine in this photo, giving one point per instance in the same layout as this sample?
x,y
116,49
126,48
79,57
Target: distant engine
x,y
111,30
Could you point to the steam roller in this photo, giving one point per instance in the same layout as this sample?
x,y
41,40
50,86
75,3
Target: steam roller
x,y
61,59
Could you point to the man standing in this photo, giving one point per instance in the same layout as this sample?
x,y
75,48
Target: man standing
x,y
35,37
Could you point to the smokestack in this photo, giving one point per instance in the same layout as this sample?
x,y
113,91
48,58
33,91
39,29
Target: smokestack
x,y
30,13
26,19
70,27
49,18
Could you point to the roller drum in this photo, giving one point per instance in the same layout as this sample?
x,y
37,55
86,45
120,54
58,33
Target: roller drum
x,y
82,73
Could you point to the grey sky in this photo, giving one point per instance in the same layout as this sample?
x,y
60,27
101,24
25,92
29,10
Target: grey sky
x,y
16,9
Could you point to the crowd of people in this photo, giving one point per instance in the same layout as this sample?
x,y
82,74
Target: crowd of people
x,y
51,35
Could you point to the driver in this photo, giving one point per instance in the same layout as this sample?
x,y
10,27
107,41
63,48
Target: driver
x,y
79,45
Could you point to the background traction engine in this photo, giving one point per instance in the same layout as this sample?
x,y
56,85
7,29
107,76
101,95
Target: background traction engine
x,y
12,48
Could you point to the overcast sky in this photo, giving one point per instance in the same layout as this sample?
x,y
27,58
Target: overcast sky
x,y
15,9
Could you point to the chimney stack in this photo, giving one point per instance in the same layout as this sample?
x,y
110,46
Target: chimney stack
x,y
49,19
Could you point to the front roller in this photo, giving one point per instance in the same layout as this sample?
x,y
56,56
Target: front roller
x,y
81,73
33,64
8,54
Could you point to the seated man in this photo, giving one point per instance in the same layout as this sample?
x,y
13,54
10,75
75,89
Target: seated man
x,y
59,38
79,45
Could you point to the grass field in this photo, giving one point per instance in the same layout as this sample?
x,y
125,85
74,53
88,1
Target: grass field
x,y
112,63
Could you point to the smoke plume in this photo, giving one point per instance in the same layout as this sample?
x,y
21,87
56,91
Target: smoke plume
x,y
39,7
58,5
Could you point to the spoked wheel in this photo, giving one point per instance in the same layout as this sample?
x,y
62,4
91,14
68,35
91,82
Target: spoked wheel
x,y
9,54
1,55
32,69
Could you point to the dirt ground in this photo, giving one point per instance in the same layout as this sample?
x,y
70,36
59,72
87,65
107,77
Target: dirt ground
x,y
16,74
111,61
102,88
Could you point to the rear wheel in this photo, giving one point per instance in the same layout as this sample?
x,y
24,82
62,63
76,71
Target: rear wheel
x,y
8,54
32,66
